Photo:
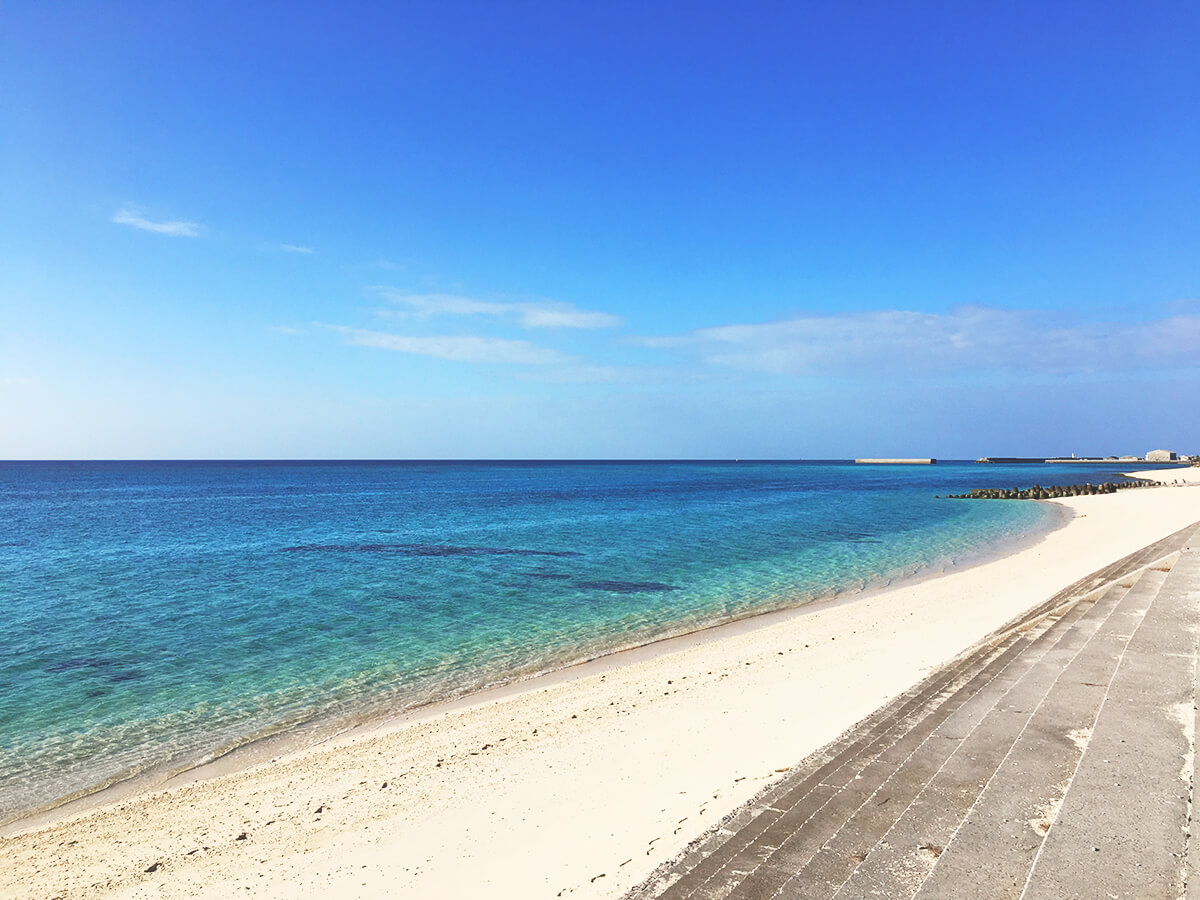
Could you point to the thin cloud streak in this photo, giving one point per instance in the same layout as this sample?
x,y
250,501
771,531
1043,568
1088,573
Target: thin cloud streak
x,y
967,338
172,229
587,373
457,348
528,315
295,248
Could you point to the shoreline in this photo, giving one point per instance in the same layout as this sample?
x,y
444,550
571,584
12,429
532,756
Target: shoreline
x,y
288,739
580,782
608,660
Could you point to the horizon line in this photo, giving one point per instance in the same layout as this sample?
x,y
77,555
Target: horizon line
x,y
554,459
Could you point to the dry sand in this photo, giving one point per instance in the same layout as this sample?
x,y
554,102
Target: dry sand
x,y
1180,475
573,786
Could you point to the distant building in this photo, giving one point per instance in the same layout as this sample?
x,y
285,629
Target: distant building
x,y
1161,456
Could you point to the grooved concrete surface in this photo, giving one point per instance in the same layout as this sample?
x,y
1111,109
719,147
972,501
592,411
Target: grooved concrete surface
x,y
1055,760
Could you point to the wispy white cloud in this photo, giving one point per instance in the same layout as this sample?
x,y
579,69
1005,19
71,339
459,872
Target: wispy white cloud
x,y
527,314
458,348
587,373
174,229
967,338
295,248
562,315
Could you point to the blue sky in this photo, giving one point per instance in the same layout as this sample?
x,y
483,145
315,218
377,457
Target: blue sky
x,y
598,230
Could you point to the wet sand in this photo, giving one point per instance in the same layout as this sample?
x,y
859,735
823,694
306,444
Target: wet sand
x,y
577,784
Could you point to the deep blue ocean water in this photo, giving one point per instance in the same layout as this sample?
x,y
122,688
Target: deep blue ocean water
x,y
157,613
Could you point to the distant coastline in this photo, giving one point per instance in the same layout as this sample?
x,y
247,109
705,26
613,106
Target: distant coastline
x,y
1082,460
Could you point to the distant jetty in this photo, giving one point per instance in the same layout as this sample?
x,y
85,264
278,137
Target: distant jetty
x,y
1040,460
1154,456
1106,461
1011,459
896,462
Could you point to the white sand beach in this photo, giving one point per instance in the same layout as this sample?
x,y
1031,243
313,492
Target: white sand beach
x,y
1173,475
578,784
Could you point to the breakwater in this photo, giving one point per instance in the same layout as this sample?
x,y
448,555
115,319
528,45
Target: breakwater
x,y
1037,492
896,461
1011,460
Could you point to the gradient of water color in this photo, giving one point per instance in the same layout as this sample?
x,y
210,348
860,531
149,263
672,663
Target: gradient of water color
x,y
157,613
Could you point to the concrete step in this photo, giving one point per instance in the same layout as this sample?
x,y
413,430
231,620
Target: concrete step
x,y
820,795
1113,572
796,843
1123,826
827,849
903,858
717,860
991,853
801,829
842,854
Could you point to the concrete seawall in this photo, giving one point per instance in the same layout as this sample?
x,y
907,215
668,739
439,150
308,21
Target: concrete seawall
x,y
896,462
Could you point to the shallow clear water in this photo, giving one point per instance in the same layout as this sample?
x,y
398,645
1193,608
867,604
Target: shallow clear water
x,y
154,613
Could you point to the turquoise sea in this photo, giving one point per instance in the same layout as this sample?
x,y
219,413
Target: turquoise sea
x,y
159,613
